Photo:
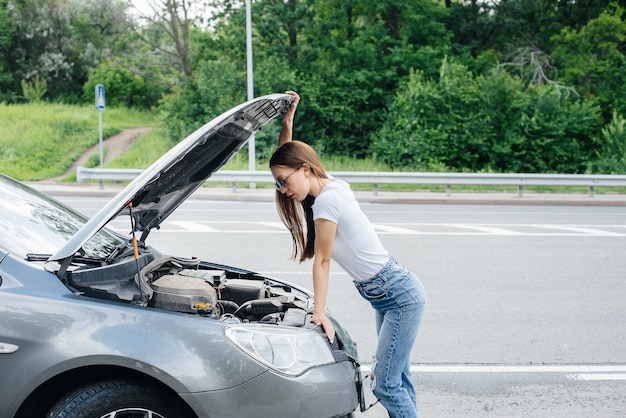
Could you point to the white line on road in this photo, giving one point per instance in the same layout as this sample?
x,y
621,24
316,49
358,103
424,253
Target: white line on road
x,y
521,230
584,231
192,226
573,369
597,377
394,230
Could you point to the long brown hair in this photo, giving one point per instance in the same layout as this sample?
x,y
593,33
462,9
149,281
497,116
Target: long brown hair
x,y
298,216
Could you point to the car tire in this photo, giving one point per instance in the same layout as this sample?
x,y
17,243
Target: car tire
x,y
119,398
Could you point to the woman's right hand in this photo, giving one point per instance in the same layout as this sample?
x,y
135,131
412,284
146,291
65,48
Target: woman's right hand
x,y
286,132
294,104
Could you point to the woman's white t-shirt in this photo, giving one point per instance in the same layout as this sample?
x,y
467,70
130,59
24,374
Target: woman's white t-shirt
x,y
357,248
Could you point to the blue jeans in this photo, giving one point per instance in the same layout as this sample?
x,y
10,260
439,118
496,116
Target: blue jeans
x,y
399,299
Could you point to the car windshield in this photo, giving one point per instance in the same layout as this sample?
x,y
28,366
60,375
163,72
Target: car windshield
x,y
32,223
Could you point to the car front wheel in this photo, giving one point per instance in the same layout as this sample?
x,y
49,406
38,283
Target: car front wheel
x,y
119,399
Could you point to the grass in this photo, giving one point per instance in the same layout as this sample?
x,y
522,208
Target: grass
x,y
144,151
41,140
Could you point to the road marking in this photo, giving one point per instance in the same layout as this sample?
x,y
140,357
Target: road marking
x,y
572,369
394,230
278,225
584,373
584,231
597,377
192,226
486,229
427,229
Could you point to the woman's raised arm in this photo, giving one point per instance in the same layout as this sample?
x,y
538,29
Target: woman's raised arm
x,y
286,133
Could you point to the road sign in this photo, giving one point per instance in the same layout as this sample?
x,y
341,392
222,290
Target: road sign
x,y
100,97
100,106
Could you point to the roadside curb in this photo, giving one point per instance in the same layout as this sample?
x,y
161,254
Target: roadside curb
x,y
57,189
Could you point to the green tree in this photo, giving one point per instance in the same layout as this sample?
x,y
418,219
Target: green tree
x,y
592,59
42,43
101,28
281,27
61,41
216,86
6,34
173,21
506,26
356,61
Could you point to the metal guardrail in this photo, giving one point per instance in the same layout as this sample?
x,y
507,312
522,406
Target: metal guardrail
x,y
375,178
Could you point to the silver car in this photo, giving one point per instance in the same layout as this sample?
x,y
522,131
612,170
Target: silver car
x,y
94,323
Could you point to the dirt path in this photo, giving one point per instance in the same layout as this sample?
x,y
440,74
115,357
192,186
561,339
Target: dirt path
x,y
113,148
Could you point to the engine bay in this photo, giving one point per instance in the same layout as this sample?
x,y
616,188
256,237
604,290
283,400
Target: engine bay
x,y
210,292
194,287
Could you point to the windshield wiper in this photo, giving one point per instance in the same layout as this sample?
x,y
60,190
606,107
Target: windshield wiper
x,y
118,251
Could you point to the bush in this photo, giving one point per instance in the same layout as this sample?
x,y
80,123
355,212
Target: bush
x,y
487,123
34,91
612,158
122,86
436,122
557,133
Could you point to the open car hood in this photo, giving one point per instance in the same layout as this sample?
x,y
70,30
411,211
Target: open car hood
x,y
163,186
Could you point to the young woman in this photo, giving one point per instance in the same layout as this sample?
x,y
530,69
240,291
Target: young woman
x,y
326,223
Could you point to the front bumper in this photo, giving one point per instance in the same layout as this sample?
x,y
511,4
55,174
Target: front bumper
x,y
323,392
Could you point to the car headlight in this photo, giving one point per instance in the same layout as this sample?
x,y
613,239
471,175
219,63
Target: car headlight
x,y
290,351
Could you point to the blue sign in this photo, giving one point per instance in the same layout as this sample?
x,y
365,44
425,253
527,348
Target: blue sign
x,y
100,97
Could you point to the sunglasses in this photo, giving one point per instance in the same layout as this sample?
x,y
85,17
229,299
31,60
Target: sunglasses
x,y
280,184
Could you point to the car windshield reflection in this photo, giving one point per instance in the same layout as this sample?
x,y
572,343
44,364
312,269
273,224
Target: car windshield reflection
x,y
32,222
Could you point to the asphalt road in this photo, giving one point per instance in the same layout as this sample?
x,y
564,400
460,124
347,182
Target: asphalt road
x,y
526,313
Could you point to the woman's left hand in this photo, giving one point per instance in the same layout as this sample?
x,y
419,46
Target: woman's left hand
x,y
325,323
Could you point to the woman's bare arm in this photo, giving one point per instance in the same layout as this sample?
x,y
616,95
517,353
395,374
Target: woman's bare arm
x,y
286,134
325,232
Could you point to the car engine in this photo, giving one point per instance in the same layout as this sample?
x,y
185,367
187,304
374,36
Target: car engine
x,y
185,286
